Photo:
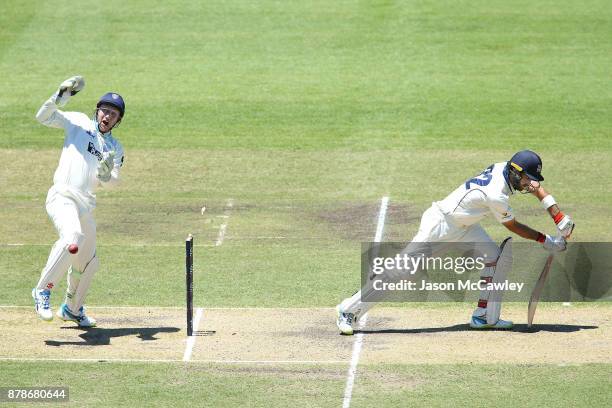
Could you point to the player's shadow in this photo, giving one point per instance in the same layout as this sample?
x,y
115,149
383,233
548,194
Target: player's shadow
x,y
522,328
95,336
553,328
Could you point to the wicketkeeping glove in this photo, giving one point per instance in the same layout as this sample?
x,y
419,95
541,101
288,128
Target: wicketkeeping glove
x,y
556,244
68,88
106,166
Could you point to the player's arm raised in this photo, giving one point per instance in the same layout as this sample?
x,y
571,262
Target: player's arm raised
x,y
564,223
522,230
48,114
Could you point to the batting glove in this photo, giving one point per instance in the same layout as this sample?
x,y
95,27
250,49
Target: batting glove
x,y
565,224
68,88
105,167
556,244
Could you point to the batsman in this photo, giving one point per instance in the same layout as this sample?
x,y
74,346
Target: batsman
x,y
457,219
91,157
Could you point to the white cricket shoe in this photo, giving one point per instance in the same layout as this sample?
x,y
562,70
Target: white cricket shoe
x,y
344,321
480,323
81,318
42,303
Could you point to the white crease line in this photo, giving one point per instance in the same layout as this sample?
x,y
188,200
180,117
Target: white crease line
x,y
247,237
270,361
140,360
192,339
221,235
381,219
183,307
358,344
223,227
352,372
50,244
172,245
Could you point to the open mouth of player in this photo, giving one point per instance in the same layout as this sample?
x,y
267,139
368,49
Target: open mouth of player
x,y
104,125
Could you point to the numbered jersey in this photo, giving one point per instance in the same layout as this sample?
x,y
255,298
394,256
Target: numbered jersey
x,y
487,193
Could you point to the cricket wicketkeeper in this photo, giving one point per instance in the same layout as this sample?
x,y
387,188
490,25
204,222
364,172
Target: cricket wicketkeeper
x,y
457,219
91,157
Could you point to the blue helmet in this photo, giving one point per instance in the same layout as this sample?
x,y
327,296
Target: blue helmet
x,y
528,163
113,99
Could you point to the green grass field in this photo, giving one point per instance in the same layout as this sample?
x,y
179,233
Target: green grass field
x,y
288,121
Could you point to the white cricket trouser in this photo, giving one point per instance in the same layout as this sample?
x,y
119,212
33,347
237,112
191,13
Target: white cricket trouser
x,y
435,227
74,226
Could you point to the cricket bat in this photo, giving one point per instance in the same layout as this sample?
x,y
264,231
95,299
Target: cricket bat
x,y
537,291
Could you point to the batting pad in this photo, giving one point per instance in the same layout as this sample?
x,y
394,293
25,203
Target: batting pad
x,y
502,267
79,282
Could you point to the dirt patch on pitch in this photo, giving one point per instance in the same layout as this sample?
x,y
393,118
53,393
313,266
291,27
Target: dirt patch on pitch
x,y
273,338
380,378
331,373
422,335
270,335
356,221
133,218
122,333
561,335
